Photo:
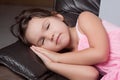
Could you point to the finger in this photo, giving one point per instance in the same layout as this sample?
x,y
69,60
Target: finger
x,y
36,48
36,52
39,49
42,56
42,50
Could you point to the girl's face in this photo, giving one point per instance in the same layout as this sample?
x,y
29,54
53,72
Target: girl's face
x,y
50,33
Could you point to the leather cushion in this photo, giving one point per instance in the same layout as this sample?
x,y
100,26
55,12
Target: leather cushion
x,y
20,59
72,8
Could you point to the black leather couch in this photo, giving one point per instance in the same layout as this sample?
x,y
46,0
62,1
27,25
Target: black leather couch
x,y
18,62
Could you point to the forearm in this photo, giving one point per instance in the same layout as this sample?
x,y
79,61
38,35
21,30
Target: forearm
x,y
97,37
87,56
74,72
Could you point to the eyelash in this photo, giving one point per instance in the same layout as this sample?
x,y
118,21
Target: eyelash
x,y
43,41
48,26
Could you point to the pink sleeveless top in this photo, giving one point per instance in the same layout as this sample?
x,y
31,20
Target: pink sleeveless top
x,y
112,67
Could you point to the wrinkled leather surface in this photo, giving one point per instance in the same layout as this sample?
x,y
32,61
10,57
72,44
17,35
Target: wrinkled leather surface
x,y
72,8
21,60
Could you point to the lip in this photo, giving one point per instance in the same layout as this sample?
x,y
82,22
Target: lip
x,y
58,38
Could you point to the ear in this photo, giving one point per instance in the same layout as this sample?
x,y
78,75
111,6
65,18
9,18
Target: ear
x,y
60,16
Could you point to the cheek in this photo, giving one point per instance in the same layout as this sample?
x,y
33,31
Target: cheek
x,y
50,46
65,41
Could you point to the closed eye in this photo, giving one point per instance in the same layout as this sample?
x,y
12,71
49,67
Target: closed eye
x,y
48,26
43,39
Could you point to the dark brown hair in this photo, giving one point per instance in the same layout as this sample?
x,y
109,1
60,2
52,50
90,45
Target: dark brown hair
x,y
21,21
19,28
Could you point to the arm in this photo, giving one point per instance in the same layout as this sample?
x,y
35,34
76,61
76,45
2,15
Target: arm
x,y
72,72
75,72
92,27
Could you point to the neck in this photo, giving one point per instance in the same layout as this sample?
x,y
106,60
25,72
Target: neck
x,y
74,39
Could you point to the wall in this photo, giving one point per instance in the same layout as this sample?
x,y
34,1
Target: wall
x,y
42,3
109,10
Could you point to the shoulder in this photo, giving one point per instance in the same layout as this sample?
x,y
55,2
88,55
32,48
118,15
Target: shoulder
x,y
88,18
86,14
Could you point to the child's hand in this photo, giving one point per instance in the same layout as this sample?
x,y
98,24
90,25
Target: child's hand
x,y
53,56
44,58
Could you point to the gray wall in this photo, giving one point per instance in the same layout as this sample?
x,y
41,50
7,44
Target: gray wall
x,y
109,10
7,14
